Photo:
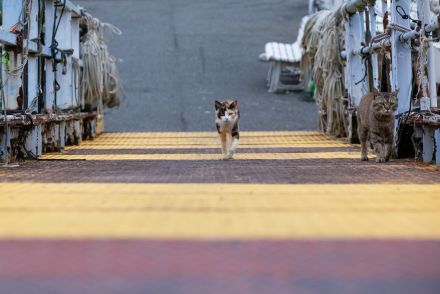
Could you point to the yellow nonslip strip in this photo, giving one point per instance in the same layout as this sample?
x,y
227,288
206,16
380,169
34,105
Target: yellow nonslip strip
x,y
212,134
247,140
128,145
216,138
201,156
219,211
202,140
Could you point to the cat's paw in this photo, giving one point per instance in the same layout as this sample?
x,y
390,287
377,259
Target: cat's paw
x,y
364,158
228,156
380,160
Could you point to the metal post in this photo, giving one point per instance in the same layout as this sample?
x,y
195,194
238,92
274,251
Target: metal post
x,y
428,144
401,65
384,6
64,73
76,57
32,66
401,76
356,81
12,70
50,91
311,10
437,146
32,83
374,63
62,135
33,32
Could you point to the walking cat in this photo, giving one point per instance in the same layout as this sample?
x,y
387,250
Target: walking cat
x,y
376,123
227,117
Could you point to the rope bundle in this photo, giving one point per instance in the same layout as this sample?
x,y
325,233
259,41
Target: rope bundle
x,y
322,37
100,81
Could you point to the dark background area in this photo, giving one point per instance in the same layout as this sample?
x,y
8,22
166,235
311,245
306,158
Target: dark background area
x,y
176,57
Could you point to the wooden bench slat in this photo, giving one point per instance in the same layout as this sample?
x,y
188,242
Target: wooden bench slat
x,y
283,52
290,53
276,50
269,51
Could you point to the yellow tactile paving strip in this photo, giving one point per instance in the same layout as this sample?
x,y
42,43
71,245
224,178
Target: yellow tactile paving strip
x,y
196,156
204,140
212,144
216,211
207,140
212,134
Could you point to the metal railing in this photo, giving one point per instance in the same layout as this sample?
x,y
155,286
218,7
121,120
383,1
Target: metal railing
x,y
407,40
42,106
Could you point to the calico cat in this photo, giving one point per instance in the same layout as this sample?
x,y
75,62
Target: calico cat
x,y
227,117
376,123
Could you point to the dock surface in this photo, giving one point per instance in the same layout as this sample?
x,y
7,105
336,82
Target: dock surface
x,y
151,212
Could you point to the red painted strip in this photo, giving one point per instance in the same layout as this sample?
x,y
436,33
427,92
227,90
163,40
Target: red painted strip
x,y
278,259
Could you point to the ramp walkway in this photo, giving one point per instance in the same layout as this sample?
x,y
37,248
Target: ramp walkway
x,y
295,212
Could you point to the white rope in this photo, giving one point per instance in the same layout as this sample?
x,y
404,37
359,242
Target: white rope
x,y
398,27
322,38
100,81
115,30
422,59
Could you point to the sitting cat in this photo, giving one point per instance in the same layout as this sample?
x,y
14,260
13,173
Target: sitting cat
x,y
376,123
227,117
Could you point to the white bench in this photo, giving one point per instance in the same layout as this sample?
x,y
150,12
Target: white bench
x,y
280,56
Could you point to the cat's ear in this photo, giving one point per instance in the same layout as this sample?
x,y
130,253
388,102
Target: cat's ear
x,y
233,104
218,105
376,92
395,93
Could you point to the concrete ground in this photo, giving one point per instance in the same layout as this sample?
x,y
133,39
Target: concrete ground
x,y
176,57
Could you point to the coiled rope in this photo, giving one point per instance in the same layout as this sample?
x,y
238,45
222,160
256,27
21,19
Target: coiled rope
x,y
322,41
100,81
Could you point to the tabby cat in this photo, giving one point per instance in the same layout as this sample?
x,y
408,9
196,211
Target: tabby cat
x,y
227,118
376,123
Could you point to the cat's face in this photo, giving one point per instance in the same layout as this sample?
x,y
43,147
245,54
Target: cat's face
x,y
385,104
227,110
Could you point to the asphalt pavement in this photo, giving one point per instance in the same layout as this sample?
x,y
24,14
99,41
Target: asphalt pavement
x,y
176,57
